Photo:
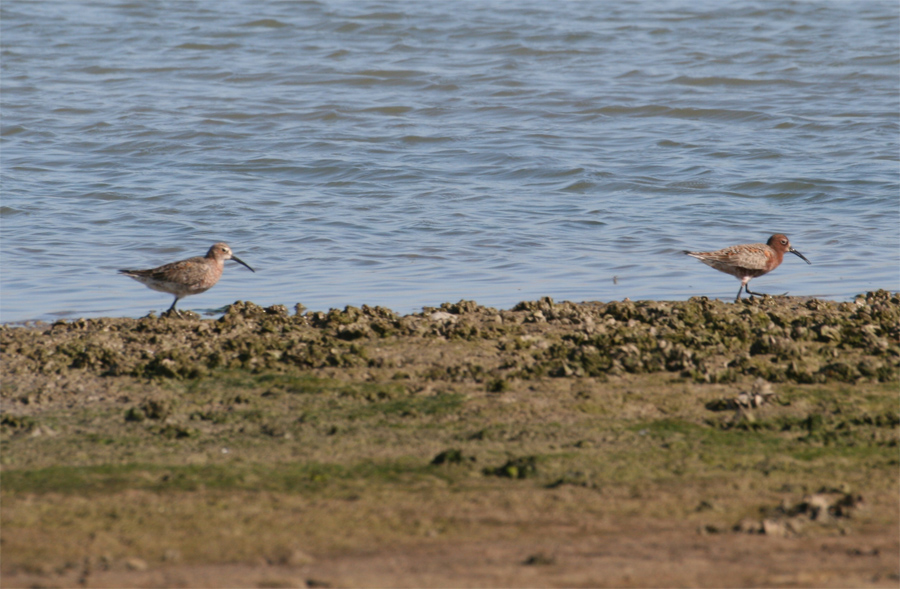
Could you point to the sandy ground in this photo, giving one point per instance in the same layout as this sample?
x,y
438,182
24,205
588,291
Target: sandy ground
x,y
640,556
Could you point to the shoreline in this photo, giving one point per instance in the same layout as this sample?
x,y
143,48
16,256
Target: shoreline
x,y
217,313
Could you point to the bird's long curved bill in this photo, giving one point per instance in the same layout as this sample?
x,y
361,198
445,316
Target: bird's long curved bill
x,y
792,250
243,263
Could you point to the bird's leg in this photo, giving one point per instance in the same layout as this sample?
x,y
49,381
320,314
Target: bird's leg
x,y
744,285
750,292
759,294
172,310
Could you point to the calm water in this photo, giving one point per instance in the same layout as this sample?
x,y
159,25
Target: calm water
x,y
411,153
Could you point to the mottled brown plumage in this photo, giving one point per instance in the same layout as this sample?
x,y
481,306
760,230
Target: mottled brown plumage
x,y
187,277
749,260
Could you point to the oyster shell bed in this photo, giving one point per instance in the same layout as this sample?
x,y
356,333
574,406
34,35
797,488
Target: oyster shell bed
x,y
776,339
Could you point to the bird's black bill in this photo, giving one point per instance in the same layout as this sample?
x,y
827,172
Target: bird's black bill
x,y
792,250
242,263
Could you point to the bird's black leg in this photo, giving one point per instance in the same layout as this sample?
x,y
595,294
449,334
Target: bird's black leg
x,y
738,297
759,294
172,309
750,292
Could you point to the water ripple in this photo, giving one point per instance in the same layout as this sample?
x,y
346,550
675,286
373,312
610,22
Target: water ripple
x,y
407,154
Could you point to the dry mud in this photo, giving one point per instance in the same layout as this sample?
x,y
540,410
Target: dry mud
x,y
694,443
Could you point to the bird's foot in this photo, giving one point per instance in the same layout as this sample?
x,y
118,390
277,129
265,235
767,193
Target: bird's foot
x,y
762,295
179,314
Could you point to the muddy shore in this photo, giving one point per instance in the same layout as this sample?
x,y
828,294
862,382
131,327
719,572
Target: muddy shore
x,y
595,444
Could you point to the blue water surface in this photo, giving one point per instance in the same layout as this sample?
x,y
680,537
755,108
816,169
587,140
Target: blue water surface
x,y
405,154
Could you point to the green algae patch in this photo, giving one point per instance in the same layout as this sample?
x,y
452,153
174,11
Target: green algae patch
x,y
278,478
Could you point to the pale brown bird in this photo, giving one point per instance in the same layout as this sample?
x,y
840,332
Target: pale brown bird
x,y
187,277
749,260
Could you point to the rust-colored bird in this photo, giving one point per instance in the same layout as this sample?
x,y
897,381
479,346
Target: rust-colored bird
x,y
749,260
187,277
